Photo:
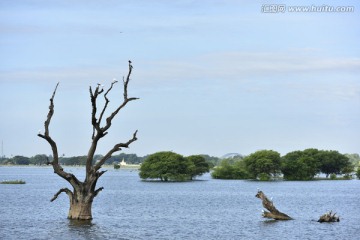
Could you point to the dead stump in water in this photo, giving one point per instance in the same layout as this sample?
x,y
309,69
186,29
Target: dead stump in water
x,y
329,217
273,212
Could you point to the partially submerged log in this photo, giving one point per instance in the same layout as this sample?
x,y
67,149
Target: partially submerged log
x,y
329,217
273,212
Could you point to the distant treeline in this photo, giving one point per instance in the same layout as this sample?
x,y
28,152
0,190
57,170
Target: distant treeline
x,y
232,167
42,159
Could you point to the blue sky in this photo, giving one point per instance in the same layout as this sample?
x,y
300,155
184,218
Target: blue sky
x,y
213,77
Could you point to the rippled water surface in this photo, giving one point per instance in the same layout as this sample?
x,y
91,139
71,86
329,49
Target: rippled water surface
x,y
129,208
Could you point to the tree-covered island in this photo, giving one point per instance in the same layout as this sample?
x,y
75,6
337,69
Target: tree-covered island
x,y
297,165
170,166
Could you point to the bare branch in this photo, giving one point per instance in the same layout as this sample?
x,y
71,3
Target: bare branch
x,y
97,191
55,163
102,131
106,101
116,148
126,100
96,126
93,97
46,136
65,190
101,173
51,111
127,80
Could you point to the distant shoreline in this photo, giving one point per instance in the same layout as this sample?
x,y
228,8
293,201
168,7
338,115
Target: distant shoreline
x,y
128,166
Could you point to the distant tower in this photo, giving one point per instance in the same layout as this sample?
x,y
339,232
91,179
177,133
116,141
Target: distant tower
x,y
123,163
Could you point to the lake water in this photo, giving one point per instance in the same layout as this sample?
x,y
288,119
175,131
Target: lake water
x,y
129,208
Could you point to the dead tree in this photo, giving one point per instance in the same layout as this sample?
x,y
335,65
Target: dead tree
x,y
84,192
273,212
329,217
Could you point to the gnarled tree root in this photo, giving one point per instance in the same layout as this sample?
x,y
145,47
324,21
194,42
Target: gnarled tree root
x,y
329,217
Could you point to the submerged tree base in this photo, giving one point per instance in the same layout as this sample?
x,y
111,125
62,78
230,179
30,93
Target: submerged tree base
x,y
80,211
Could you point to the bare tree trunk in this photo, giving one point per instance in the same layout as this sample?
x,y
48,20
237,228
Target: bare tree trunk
x,y
83,194
273,212
80,210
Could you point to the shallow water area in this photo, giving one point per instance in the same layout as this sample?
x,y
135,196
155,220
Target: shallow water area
x,y
129,208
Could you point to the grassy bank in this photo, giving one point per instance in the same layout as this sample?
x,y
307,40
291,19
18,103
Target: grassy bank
x,y
13,182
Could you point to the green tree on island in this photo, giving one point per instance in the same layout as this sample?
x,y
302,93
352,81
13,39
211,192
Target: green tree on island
x,y
21,160
201,166
263,164
170,166
333,162
39,159
358,173
211,160
354,158
300,165
229,169
296,165
304,165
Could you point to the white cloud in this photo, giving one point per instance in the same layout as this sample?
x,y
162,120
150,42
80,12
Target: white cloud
x,y
291,68
235,65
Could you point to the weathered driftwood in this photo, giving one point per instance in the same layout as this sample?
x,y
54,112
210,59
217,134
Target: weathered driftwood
x,y
273,212
329,217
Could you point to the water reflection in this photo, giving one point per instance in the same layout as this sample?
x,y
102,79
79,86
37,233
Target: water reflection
x,y
270,222
84,229
80,223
